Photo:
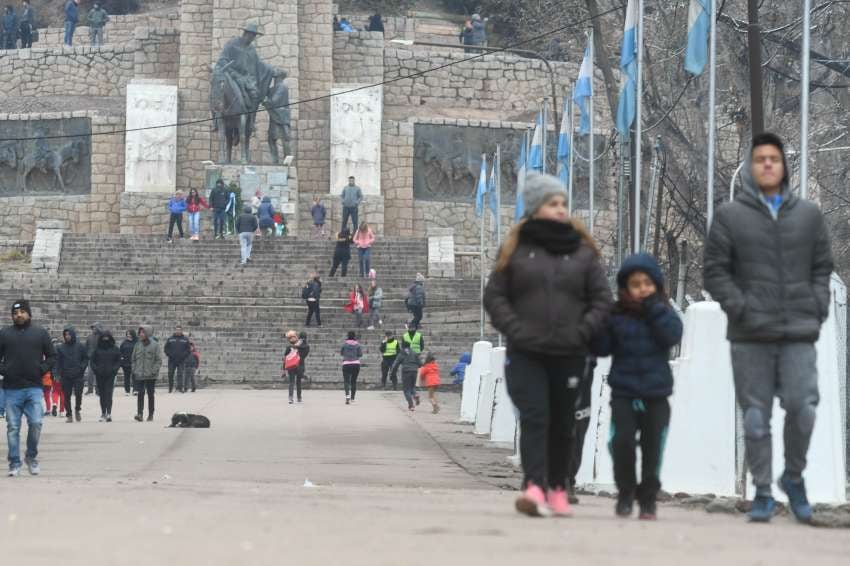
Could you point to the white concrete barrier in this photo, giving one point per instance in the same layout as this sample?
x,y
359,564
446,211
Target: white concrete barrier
x,y
487,391
479,364
503,428
597,468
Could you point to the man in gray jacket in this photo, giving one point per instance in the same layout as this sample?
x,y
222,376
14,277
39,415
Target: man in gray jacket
x,y
352,196
768,264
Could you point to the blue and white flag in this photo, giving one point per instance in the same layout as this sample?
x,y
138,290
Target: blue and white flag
x,y
584,90
481,189
522,171
628,65
564,145
535,156
696,55
494,195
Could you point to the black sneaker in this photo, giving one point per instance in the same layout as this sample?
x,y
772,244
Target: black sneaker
x,y
648,511
78,416
624,507
53,411
139,417
571,495
150,417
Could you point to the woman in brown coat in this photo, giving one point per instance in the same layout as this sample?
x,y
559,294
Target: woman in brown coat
x,y
548,295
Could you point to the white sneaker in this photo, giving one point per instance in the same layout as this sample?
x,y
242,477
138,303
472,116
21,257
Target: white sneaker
x,y
33,467
14,472
370,328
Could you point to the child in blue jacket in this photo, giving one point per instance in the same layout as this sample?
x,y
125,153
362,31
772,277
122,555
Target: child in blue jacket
x,y
176,207
639,335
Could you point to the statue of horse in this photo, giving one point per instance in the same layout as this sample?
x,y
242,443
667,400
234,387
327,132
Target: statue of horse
x,y
232,115
52,161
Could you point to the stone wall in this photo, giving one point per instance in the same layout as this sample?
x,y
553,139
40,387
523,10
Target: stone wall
x,y
118,31
95,213
158,56
358,57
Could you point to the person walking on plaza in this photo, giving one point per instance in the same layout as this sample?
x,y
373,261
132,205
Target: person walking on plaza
x,y
319,214
303,352
147,359
376,303
358,304
194,203
26,354
54,397
342,252
176,208
291,365
312,294
96,18
106,361
351,353
409,362
389,352
429,377
127,359
352,196
642,329
218,201
91,344
72,361
178,351
548,264
10,28
768,263
246,226
72,15
26,23
413,338
415,301
363,239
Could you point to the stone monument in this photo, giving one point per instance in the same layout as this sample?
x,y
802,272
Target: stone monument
x,y
356,137
151,150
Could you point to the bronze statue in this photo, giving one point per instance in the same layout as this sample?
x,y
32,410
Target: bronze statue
x,y
277,105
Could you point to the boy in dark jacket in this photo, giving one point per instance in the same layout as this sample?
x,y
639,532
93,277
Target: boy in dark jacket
x,y
72,359
127,359
105,362
409,362
639,334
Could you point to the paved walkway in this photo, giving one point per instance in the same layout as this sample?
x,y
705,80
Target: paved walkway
x,y
386,491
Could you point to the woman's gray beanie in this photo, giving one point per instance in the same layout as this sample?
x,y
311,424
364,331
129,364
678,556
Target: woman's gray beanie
x,y
540,188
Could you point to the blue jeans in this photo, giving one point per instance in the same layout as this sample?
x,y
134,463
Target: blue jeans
x,y
194,223
365,255
218,221
246,242
69,32
349,212
23,402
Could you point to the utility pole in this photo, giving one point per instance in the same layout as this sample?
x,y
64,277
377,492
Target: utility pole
x,y
754,41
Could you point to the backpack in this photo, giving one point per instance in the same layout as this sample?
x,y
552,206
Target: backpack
x,y
292,359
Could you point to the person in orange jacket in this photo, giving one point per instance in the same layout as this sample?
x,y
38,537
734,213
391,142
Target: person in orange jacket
x,y
429,377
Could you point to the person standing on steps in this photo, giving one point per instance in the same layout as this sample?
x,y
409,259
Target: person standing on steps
x,y
178,351
358,304
176,208
351,353
91,344
429,377
415,301
342,252
26,354
639,335
409,362
389,352
548,295
319,214
312,294
194,203
246,226
265,213
127,359
292,365
147,359
768,263
219,198
363,239
232,209
413,338
72,361
376,303
352,196
106,361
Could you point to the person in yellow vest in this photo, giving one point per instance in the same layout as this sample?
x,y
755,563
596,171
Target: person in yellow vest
x,y
389,351
414,338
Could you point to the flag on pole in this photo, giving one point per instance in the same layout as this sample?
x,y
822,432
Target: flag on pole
x,y
696,55
481,190
494,196
522,170
628,65
535,157
564,145
584,90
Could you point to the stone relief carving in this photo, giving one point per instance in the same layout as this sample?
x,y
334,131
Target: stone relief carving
x,y
356,138
150,150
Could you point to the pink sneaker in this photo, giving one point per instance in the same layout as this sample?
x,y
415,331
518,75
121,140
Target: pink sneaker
x,y
532,502
559,503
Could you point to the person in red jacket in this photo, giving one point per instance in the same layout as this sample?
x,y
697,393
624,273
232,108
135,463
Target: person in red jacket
x,y
193,206
358,304
429,377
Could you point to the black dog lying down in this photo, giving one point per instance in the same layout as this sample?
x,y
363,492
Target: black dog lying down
x,y
188,420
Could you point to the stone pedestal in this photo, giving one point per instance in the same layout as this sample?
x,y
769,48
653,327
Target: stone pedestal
x,y
441,252
356,137
47,247
150,159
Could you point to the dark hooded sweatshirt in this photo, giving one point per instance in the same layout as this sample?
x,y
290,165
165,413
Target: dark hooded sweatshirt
x,y
72,357
26,354
127,350
106,360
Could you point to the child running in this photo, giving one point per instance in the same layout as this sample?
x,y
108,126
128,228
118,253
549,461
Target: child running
x,y
351,353
642,329
409,362
429,376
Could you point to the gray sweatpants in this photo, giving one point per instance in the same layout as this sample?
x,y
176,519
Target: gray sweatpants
x,y
787,370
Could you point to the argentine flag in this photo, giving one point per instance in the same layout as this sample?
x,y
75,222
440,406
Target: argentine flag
x,y
535,157
698,24
584,90
481,190
494,197
564,145
522,171
628,65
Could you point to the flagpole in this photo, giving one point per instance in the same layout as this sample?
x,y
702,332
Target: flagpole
x,y
572,150
804,111
544,132
712,113
592,148
638,127
498,170
481,251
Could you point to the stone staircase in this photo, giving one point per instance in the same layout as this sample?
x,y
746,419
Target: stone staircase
x,y
238,315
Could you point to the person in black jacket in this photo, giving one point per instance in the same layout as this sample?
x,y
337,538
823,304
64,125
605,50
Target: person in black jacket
x,y
312,293
91,344
218,201
26,354
342,252
246,225
177,350
106,361
303,351
293,373
72,360
127,358
639,335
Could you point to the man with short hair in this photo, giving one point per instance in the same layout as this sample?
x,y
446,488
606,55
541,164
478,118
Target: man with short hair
x,y
246,225
177,350
768,263
352,196
96,18
72,15
26,354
